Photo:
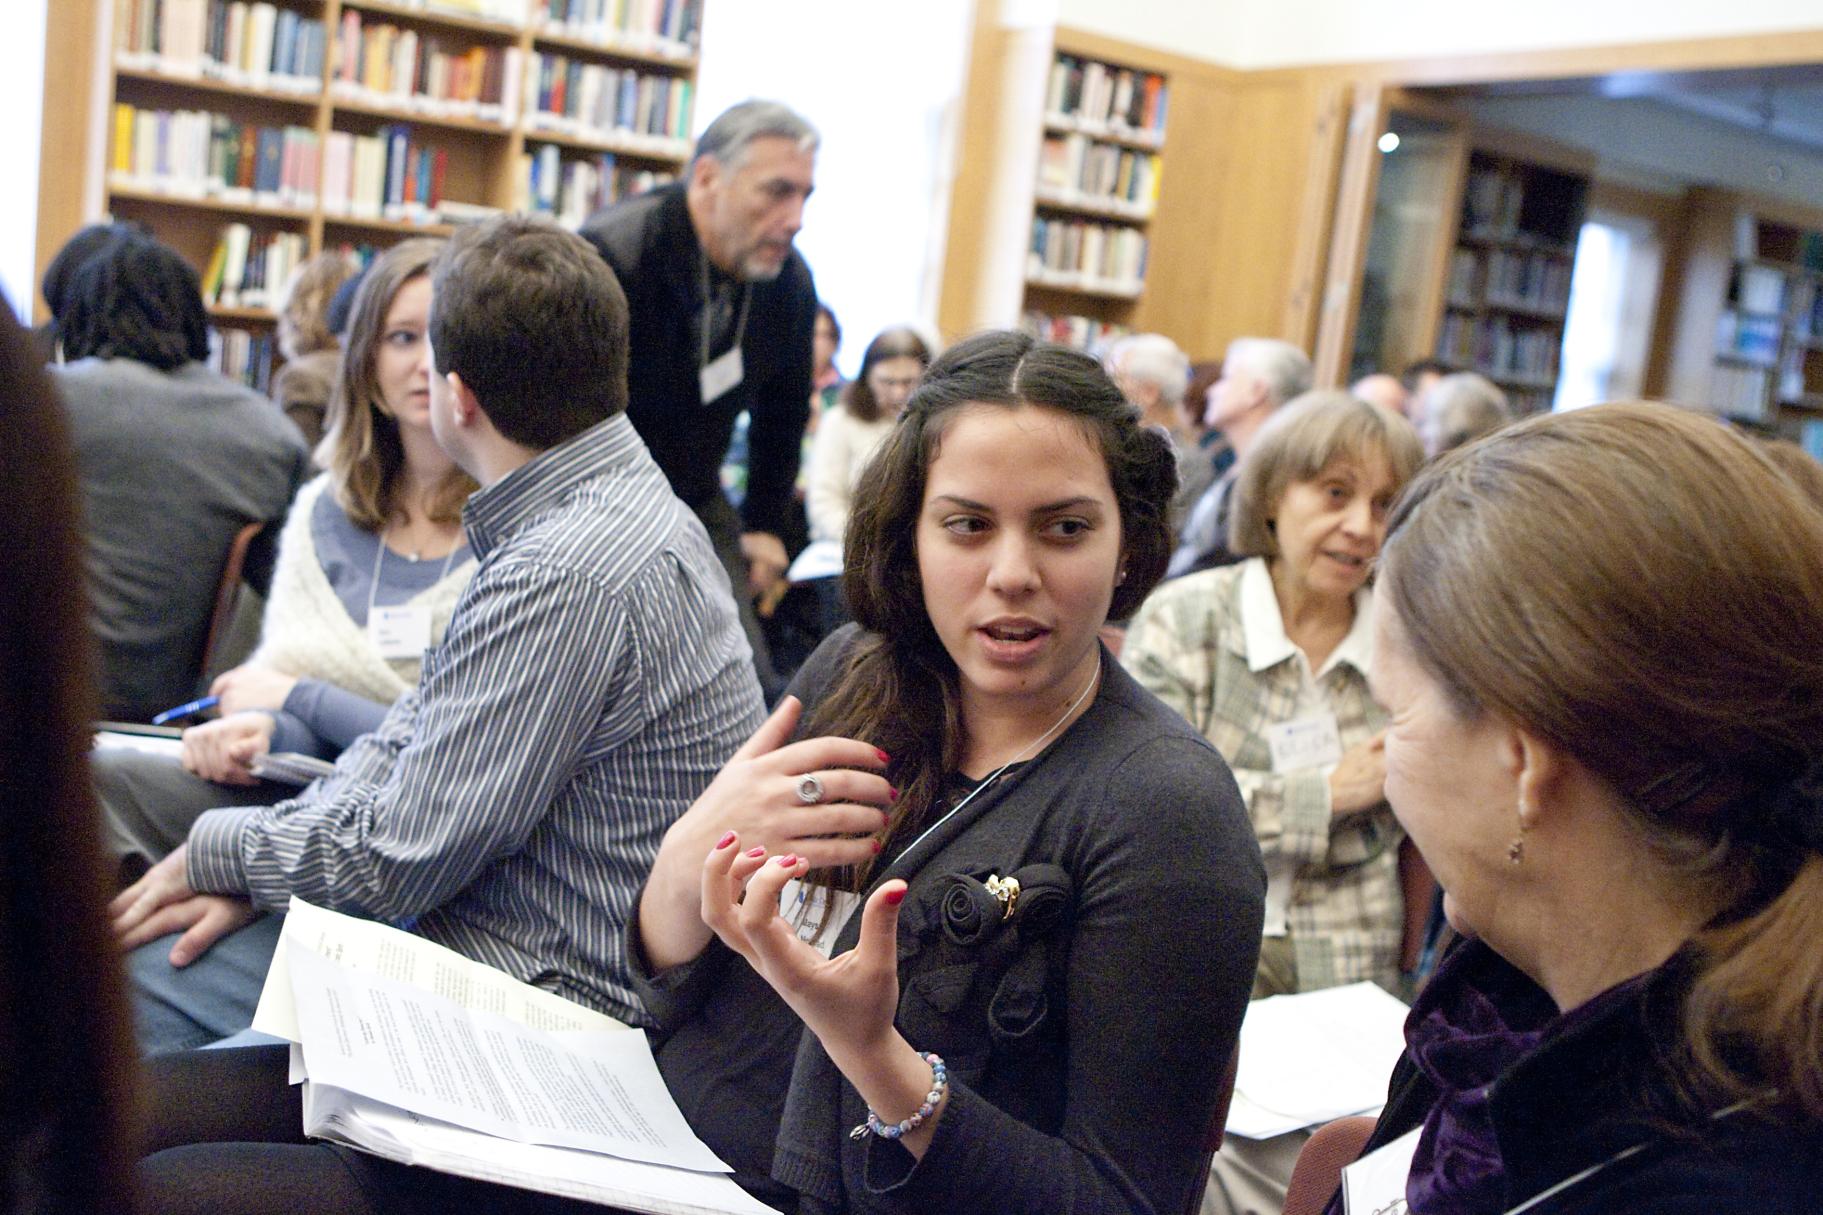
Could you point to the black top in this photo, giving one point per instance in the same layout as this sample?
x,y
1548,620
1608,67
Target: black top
x,y
1606,1083
653,249
1084,1045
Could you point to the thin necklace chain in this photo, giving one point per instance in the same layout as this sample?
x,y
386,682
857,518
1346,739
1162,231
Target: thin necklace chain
x,y
997,773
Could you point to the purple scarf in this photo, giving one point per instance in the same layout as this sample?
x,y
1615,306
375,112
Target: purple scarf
x,y
1462,1038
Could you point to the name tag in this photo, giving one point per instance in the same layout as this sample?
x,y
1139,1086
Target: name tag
x,y
1311,742
817,912
400,631
722,375
1375,1184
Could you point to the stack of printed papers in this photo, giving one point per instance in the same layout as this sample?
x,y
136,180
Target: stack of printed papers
x,y
415,1053
1315,1057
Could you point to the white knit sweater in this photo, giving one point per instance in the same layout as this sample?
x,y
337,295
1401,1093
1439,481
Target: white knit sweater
x,y
307,631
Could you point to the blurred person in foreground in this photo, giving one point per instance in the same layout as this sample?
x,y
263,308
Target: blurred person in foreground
x,y
67,1142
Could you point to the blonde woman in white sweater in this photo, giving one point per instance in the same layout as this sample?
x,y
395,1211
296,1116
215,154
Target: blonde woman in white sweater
x,y
371,562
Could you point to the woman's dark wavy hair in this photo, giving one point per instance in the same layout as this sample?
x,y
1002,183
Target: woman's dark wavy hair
x,y
899,690
134,298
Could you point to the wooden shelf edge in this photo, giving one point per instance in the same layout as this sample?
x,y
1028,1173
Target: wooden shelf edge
x,y
1078,285
1126,137
373,224
675,151
1089,206
505,30
449,122
560,38
258,316
226,88
205,202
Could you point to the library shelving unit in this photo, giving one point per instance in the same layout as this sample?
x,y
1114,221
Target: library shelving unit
x,y
1101,156
251,136
1508,285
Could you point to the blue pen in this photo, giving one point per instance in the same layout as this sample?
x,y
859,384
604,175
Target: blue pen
x,y
195,706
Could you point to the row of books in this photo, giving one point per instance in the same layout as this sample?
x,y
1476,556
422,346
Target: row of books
x,y
659,26
1081,171
506,12
250,269
382,63
243,355
1499,349
1086,254
1081,332
572,189
1536,282
254,44
1092,96
199,154
580,98
387,175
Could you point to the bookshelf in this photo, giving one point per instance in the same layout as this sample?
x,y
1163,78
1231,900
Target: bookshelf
x,y
1100,164
252,136
1507,288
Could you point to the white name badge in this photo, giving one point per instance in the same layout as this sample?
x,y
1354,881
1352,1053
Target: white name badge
x,y
817,912
1310,742
1375,1184
722,375
400,631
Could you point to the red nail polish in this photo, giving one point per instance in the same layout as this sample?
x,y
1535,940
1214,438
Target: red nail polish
x,y
757,851
876,844
895,897
788,861
724,841
892,794
884,757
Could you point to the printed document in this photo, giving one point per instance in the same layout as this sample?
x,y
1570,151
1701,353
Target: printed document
x,y
1314,1057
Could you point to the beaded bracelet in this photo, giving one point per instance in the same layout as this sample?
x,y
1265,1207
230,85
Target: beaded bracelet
x,y
939,1081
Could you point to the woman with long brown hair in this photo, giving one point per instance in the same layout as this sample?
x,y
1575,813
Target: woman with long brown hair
x,y
370,564
1598,647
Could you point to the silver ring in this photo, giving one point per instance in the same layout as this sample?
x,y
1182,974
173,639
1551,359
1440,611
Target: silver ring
x,y
810,789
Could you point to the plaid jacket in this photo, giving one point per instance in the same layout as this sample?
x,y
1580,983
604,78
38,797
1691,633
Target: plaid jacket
x,y
1232,673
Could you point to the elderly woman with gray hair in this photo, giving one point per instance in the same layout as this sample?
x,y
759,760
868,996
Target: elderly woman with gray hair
x,y
1268,660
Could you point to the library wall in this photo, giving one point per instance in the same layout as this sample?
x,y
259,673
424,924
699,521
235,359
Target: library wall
x,y
1264,33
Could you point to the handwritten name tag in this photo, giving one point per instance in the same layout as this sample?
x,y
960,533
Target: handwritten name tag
x,y
1310,742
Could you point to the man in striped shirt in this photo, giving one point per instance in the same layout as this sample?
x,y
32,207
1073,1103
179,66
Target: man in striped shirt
x,y
592,680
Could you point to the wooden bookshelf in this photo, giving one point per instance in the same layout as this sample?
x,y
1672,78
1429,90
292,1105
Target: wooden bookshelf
x,y
1749,337
1100,167
480,145
1507,286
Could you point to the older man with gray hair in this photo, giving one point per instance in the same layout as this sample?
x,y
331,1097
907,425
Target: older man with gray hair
x,y
723,309
1258,376
1153,373
1460,408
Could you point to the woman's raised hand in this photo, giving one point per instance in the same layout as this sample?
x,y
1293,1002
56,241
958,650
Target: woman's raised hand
x,y
1359,780
847,1000
760,794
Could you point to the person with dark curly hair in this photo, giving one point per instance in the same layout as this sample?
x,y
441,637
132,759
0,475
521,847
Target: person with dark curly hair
x,y
173,460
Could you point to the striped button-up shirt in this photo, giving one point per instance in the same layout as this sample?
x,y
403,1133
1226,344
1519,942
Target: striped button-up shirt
x,y
593,678
1213,647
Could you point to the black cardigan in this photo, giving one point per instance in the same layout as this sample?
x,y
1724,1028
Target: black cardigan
x,y
1084,1053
